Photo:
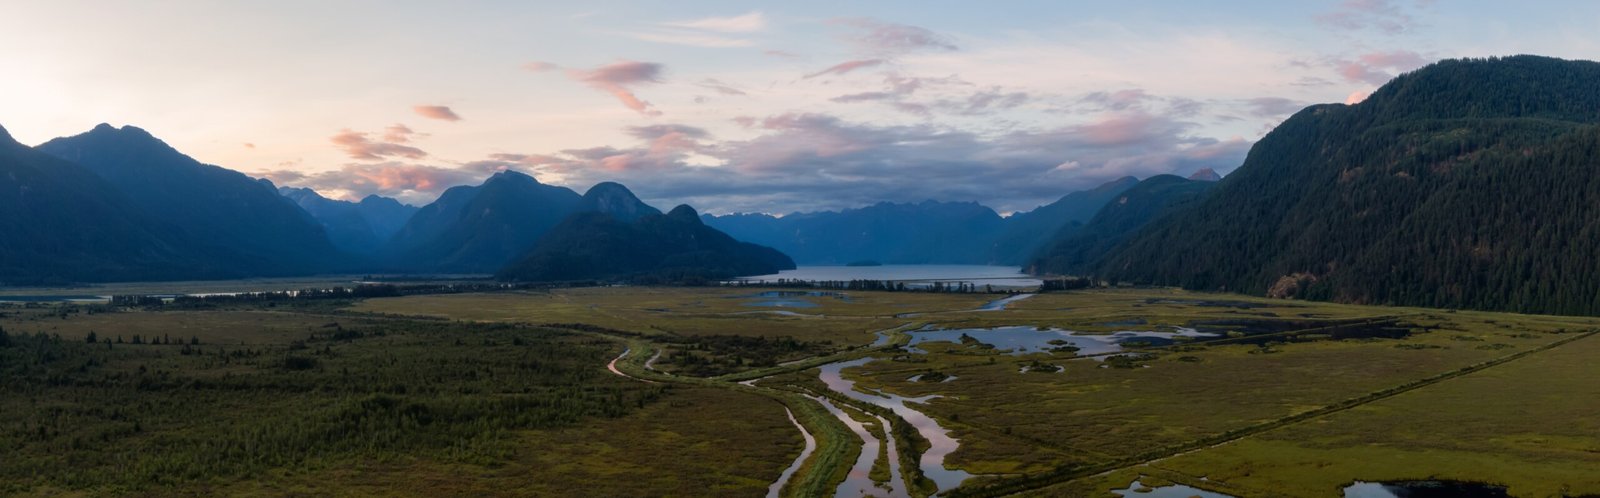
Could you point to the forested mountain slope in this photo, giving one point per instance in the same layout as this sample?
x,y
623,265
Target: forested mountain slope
x,y
1468,183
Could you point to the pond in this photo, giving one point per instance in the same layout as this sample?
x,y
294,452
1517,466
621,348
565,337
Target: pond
x,y
911,275
55,299
790,299
1171,491
1020,340
1424,489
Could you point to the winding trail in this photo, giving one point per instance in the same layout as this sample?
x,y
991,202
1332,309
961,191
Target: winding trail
x,y
776,489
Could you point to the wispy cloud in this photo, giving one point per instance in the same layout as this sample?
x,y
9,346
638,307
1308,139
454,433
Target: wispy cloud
x,y
616,78
1385,16
360,145
889,39
747,23
438,112
846,67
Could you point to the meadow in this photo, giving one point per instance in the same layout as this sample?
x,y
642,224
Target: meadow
x,y
509,393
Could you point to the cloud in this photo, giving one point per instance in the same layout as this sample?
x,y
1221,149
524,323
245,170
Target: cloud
x,y
360,145
249,145
1273,107
864,97
783,54
1119,100
439,112
747,23
411,183
399,134
846,67
692,39
1385,16
720,87
617,78
888,39
809,161
1377,68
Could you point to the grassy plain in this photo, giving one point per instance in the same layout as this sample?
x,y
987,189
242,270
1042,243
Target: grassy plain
x,y
1092,417
1268,410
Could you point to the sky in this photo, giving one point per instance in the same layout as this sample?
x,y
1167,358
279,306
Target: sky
x,y
732,106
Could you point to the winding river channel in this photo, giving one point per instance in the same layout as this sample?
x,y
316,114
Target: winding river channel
x,y
941,444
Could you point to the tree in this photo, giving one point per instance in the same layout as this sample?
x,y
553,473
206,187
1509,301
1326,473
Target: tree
x,y
91,338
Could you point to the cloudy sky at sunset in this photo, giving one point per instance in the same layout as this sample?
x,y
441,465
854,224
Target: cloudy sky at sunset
x,y
731,106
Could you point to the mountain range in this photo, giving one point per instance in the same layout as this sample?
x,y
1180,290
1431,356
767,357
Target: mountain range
x,y
1465,184
929,232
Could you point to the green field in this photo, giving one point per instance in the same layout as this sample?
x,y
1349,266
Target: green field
x,y
508,394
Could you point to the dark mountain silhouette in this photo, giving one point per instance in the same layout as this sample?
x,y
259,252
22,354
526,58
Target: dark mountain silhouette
x,y
1206,175
616,200
386,216
1026,233
674,247
359,228
1467,183
1076,247
925,233
63,223
479,229
265,233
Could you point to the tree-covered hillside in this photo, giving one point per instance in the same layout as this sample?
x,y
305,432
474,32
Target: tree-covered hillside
x,y
1468,183
674,247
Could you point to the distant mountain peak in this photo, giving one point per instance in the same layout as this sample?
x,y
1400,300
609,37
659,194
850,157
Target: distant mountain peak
x,y
616,200
5,137
683,211
510,175
1205,175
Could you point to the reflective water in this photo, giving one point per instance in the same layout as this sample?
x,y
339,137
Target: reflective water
x,y
941,444
1424,489
811,445
912,275
858,482
1027,340
1173,491
55,299
999,305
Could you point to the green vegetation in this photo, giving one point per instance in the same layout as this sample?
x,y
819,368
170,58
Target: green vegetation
x,y
512,392
1465,184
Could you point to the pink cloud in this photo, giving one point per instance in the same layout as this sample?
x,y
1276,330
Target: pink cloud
x,y
846,67
361,146
1401,60
878,37
409,182
436,112
1382,15
617,77
399,133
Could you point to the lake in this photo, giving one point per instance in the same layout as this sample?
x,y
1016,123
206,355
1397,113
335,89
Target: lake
x,y
913,275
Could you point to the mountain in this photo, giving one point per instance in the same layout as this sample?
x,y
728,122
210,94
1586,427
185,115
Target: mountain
x,y
1465,184
926,233
616,200
479,229
674,247
358,228
1075,247
265,233
1206,175
385,215
1026,233
63,223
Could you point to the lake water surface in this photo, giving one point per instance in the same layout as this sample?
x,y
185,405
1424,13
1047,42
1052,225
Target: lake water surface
x,y
912,275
